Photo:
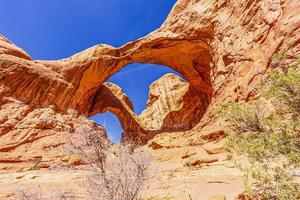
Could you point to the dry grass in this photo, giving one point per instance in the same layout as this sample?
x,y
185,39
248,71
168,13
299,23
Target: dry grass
x,y
35,193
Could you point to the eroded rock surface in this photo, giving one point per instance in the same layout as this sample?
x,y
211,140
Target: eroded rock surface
x,y
110,97
221,48
171,107
165,96
28,134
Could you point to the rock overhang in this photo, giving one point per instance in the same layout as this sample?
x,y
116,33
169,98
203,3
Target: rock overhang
x,y
220,47
75,82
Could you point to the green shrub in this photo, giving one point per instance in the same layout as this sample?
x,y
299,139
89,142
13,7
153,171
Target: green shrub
x,y
267,133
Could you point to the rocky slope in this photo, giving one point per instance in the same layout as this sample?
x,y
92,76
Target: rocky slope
x,y
29,134
220,47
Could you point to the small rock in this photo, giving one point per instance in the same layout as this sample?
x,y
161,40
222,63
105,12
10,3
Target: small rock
x,y
198,160
6,194
155,145
218,197
188,153
75,160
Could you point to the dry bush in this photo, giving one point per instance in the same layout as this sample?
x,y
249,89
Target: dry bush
x,y
28,194
35,193
116,172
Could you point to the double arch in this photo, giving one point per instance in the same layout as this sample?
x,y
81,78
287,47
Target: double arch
x,y
75,82
189,58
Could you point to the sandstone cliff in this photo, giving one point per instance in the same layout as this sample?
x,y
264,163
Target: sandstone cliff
x,y
220,47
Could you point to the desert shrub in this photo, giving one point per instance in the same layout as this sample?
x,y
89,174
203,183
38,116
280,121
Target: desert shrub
x,y
112,172
115,172
267,132
28,194
35,193
271,146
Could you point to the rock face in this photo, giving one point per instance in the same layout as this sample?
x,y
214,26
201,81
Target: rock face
x,y
171,106
110,97
28,133
164,95
220,47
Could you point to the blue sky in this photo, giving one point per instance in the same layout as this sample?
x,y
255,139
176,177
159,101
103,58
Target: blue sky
x,y
54,29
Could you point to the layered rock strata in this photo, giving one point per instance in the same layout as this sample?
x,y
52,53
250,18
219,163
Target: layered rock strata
x,y
220,47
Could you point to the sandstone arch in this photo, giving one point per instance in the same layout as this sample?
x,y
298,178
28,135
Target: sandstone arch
x,y
171,107
227,43
75,82
111,98
97,64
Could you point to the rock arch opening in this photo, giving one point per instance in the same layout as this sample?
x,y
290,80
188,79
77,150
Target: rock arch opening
x,y
111,124
140,84
135,80
156,99
79,82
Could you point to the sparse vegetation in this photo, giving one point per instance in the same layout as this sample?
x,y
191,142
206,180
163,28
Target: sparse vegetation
x,y
267,132
116,172
36,166
35,193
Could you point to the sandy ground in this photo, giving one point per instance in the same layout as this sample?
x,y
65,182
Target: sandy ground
x,y
170,179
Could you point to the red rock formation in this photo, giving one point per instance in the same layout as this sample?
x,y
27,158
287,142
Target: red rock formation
x,y
28,133
219,47
171,107
73,82
165,96
111,98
